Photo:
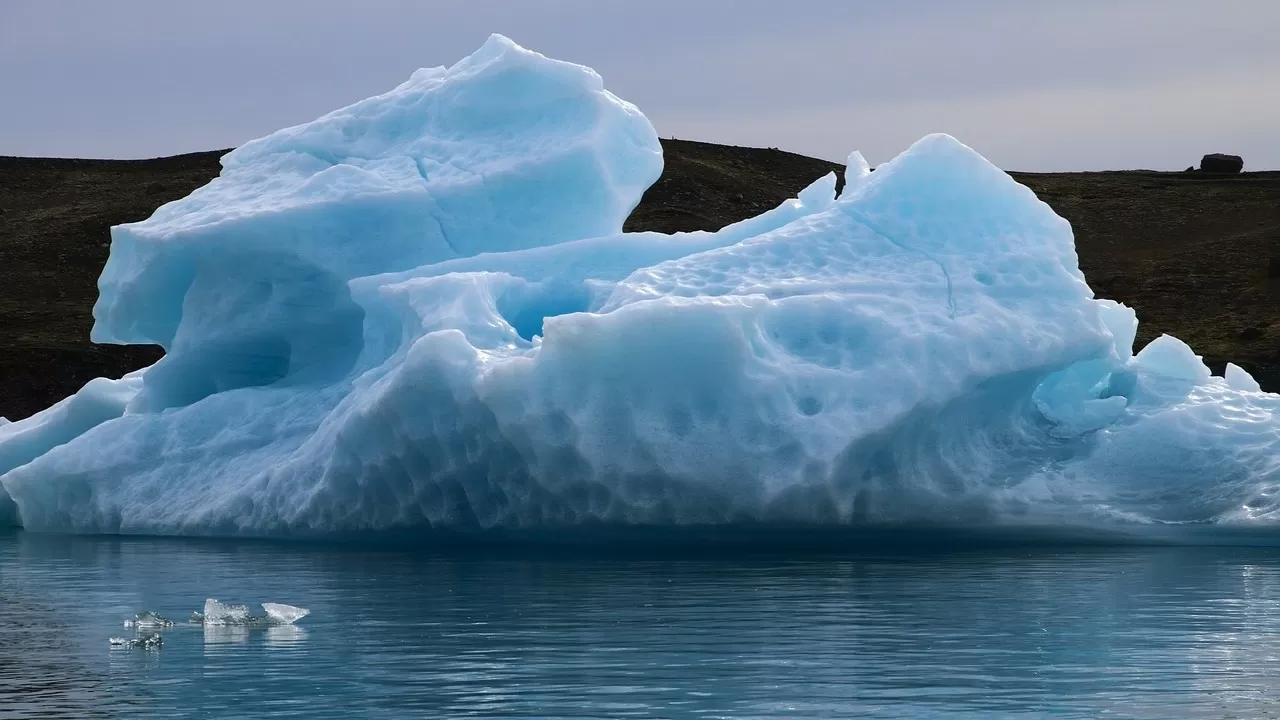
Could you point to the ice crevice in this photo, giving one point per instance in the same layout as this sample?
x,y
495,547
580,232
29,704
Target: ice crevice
x,y
422,168
444,235
419,314
946,275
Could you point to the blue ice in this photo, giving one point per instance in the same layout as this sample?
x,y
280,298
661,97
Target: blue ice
x,y
420,312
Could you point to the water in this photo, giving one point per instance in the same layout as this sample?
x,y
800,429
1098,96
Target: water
x,y
1125,632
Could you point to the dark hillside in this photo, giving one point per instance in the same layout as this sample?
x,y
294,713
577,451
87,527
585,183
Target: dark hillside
x,y
1197,255
705,186
1194,254
55,217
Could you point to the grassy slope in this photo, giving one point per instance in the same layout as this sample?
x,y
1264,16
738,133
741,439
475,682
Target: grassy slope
x,y
1191,252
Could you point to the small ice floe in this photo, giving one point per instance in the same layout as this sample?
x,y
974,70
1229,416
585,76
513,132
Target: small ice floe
x,y
214,617
147,620
145,641
217,613
285,614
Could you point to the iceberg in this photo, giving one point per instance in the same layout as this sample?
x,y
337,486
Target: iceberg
x,y
420,313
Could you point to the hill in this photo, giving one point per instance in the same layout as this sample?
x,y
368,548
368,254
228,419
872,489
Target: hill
x,y
1197,255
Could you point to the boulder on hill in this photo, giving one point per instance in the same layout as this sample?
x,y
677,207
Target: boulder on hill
x,y
1220,163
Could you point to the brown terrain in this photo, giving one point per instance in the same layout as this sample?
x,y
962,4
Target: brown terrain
x,y
1197,254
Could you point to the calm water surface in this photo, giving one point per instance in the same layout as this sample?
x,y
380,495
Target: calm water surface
x,y
1153,633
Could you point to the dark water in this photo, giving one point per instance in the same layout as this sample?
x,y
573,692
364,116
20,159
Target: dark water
x,y
1151,633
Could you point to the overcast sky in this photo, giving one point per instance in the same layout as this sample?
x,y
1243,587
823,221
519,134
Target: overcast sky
x,y
1033,85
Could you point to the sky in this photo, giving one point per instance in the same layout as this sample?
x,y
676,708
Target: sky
x,y
1032,84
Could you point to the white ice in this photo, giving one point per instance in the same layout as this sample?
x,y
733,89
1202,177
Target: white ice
x,y
420,312
148,619
148,641
282,614
216,613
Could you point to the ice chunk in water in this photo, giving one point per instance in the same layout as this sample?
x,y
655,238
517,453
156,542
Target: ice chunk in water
x,y
284,614
216,613
222,623
149,641
148,619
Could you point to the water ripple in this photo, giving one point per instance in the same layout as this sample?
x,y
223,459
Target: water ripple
x,y
1122,632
